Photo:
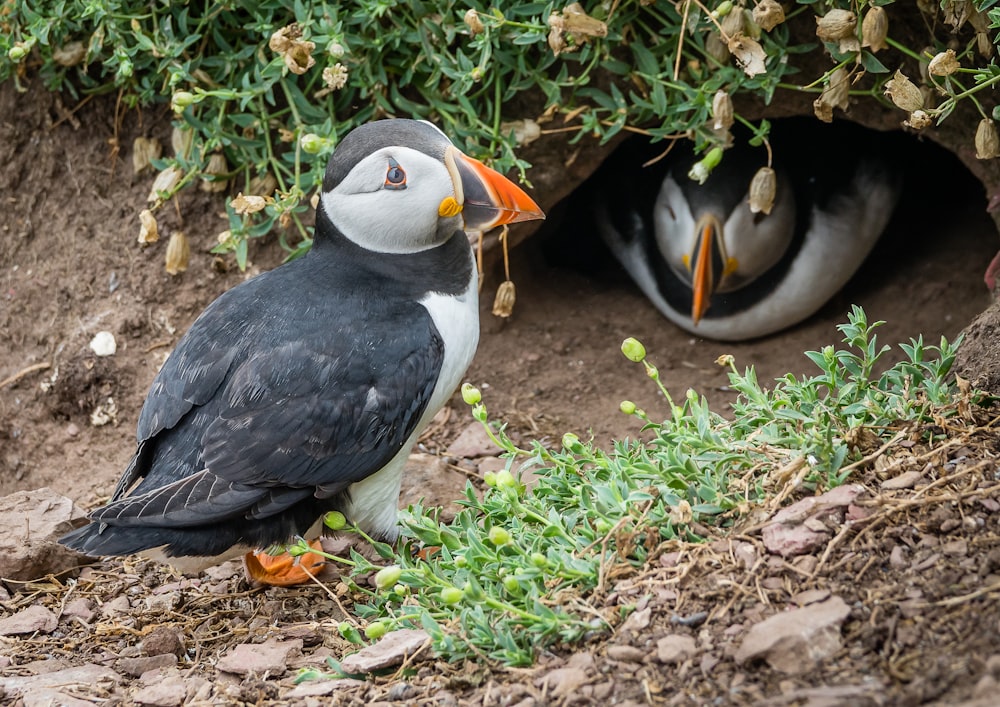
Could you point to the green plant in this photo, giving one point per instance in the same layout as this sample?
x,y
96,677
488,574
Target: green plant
x,y
272,86
525,565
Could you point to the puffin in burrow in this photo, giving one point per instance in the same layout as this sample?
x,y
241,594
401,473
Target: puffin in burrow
x,y
721,272
302,390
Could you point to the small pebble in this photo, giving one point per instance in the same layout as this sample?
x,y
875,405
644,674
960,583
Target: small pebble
x,y
104,344
626,654
162,640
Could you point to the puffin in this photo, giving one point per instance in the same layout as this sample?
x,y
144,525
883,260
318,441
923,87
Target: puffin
x,y
301,391
721,272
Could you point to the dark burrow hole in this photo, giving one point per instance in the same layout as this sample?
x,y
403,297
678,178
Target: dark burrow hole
x,y
933,253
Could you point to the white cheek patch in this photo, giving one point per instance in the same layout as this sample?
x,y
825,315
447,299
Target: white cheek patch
x,y
391,220
674,226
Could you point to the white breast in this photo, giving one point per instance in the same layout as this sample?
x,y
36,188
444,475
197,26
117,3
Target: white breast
x,y
456,318
374,500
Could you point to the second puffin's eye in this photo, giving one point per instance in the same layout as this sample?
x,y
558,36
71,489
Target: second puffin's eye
x,y
395,177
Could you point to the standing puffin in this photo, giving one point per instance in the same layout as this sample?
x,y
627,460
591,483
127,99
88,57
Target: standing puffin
x,y
721,272
302,390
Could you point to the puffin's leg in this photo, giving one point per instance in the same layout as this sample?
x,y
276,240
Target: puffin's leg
x,y
284,570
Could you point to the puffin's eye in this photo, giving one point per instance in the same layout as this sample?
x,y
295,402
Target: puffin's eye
x,y
395,177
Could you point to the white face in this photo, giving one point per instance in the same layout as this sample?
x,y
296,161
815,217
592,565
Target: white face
x,y
754,244
674,228
389,202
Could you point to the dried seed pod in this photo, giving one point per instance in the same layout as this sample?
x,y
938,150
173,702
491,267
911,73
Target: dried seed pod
x,y
556,40
716,48
943,64
980,22
503,303
918,120
248,204
525,131
875,28
296,52
763,187
216,168
165,183
836,25
580,24
768,14
904,93
264,185
181,140
748,54
750,26
473,22
834,95
987,140
722,111
69,54
956,12
732,24
144,151
178,253
148,231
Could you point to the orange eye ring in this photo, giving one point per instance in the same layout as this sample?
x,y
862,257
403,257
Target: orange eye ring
x,y
395,177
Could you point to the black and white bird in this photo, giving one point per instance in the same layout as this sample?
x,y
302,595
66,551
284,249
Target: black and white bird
x,y
302,390
721,272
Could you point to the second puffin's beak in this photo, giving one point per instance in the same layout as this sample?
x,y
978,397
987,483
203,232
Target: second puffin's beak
x,y
708,263
487,197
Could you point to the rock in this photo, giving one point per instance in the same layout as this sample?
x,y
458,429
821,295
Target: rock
x,y
793,641
568,679
143,664
170,691
806,524
30,524
84,675
675,648
392,649
48,697
117,606
906,480
258,658
162,640
562,681
320,688
34,618
836,696
79,608
104,344
626,654
473,442
811,596
791,540
839,497
637,620
897,557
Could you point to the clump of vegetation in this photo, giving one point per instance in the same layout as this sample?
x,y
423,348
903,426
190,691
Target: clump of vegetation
x,y
264,90
525,565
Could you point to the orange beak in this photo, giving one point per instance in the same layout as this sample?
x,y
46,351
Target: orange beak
x,y
487,197
703,266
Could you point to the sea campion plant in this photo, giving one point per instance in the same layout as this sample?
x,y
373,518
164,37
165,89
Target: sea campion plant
x,y
526,564
267,88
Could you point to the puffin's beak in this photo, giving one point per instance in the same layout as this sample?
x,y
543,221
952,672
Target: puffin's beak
x,y
488,198
707,257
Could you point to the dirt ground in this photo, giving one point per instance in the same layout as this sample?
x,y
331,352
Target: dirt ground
x,y
921,577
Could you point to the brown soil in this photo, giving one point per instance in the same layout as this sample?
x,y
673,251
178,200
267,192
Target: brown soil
x,y
920,630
